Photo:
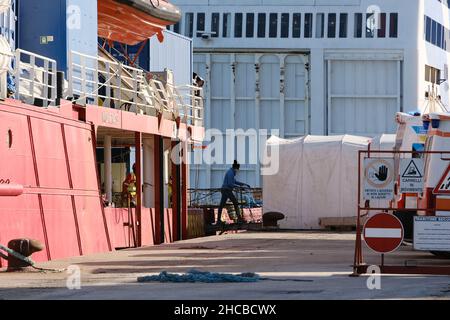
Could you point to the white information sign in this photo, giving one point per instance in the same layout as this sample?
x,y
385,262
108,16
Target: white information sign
x,y
432,233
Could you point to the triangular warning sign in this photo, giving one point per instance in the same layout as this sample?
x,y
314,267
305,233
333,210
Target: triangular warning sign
x,y
412,171
443,187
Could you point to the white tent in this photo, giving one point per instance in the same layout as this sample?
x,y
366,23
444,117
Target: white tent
x,y
317,178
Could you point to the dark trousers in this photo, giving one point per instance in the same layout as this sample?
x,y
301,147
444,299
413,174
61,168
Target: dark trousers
x,y
228,194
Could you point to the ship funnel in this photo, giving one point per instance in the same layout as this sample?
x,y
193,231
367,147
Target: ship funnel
x,y
5,5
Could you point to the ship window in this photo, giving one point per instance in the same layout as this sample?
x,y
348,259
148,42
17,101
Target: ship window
x,y
393,26
285,25
433,32
358,25
427,29
370,25
273,25
296,25
382,26
250,29
176,27
261,25
320,23
432,75
226,25
200,24
308,25
332,25
189,25
238,25
215,23
439,35
343,25
10,138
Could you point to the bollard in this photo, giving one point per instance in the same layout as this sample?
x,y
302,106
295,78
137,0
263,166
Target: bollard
x,y
25,247
270,219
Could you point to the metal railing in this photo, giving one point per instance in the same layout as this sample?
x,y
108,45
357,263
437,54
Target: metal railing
x,y
35,78
105,82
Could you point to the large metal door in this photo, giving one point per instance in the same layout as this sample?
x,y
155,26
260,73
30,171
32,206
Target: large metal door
x,y
251,91
363,95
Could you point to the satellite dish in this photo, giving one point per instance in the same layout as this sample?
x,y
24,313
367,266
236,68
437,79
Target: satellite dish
x,y
4,5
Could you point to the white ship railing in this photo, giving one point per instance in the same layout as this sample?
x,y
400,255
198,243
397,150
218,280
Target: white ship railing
x,y
35,78
105,82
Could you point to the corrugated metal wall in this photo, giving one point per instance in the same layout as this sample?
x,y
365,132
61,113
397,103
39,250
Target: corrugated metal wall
x,y
363,95
64,25
251,91
174,53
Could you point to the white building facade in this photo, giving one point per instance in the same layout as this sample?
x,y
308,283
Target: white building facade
x,y
321,67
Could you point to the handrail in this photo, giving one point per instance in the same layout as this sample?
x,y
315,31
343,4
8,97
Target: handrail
x,y
107,82
35,78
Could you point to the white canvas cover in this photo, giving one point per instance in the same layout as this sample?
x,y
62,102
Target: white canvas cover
x,y
317,178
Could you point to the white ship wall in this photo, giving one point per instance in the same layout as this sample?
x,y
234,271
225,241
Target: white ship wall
x,y
353,85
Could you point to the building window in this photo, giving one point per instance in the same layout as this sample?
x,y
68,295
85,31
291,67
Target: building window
x,y
226,31
332,25
343,25
215,23
285,25
358,25
308,25
250,26
428,29
370,25
320,25
382,26
432,75
436,34
393,25
433,32
238,25
261,25
273,25
189,25
296,25
200,24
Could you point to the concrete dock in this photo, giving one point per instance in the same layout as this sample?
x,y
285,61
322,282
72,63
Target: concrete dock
x,y
297,265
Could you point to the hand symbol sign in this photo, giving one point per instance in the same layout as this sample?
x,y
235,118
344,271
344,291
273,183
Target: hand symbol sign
x,y
382,173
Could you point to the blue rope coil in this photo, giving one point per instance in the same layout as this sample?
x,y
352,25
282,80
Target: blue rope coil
x,y
200,276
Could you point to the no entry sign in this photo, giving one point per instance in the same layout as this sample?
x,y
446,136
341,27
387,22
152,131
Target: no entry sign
x,y
383,233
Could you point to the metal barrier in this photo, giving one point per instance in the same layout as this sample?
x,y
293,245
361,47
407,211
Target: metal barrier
x,y
425,207
35,78
246,197
105,82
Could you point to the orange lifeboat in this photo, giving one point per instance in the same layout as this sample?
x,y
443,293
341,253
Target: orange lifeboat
x,y
133,21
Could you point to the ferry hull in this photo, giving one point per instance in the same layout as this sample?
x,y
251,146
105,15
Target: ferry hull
x,y
51,155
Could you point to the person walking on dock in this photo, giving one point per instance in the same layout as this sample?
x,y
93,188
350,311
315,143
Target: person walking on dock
x,y
229,183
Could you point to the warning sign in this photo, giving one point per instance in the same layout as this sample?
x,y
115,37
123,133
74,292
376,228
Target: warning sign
x,y
378,179
443,187
411,175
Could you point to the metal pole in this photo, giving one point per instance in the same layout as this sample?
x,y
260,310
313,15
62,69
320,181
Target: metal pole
x,y
108,168
138,146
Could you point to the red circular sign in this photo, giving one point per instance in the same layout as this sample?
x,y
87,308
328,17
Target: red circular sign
x,y
383,233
